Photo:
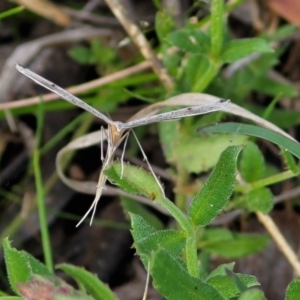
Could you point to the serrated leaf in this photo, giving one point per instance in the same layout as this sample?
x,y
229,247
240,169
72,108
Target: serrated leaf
x,y
171,240
221,270
20,266
147,239
91,283
293,290
135,207
259,200
134,180
227,244
141,228
251,163
237,49
194,41
227,287
214,195
237,281
174,283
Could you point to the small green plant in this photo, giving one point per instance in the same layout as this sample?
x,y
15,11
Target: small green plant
x,y
30,279
199,57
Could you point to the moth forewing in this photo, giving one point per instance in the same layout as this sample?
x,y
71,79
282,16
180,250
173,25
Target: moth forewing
x,y
62,93
176,114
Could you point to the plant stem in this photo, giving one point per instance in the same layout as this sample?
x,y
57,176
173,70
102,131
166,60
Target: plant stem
x,y
281,242
266,181
42,211
191,256
207,77
177,214
217,8
191,246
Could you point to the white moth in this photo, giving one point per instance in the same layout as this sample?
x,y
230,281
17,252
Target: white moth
x,y
118,131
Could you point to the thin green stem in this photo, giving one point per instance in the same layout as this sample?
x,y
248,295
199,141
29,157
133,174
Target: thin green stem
x,y
266,181
42,211
12,227
217,9
207,77
191,246
62,133
177,214
11,12
191,256
40,189
228,7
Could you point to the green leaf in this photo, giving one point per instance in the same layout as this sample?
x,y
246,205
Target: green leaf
x,y
221,270
267,134
282,118
135,207
11,298
274,88
172,60
251,163
20,266
141,228
253,294
147,239
238,282
191,153
170,240
91,283
215,193
81,54
164,24
293,290
196,67
231,245
194,41
174,283
237,49
259,200
239,85
134,180
227,287
280,33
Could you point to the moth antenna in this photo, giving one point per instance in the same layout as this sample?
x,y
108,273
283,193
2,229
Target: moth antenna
x,y
147,282
101,143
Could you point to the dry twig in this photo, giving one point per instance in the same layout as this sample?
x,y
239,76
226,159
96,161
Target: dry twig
x,y
140,41
79,88
279,239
